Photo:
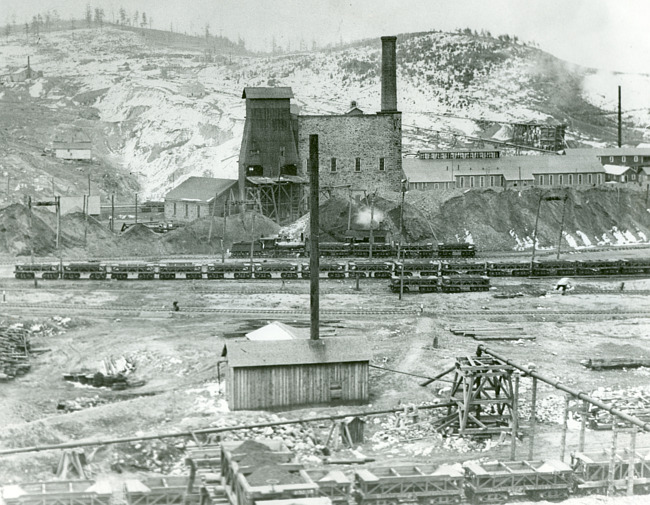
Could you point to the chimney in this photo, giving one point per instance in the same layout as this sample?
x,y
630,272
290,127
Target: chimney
x,y
314,238
388,75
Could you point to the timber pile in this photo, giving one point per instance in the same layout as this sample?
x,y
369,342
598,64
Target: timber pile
x,y
492,333
14,353
633,401
608,363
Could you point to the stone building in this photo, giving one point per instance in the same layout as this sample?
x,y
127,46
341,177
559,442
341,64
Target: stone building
x,y
196,197
357,150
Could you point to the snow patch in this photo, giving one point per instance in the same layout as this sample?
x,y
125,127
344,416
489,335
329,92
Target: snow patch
x,y
584,238
570,240
468,237
37,89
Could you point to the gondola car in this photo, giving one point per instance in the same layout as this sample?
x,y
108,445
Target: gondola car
x,y
410,284
31,270
635,266
93,270
418,251
419,268
170,271
598,267
268,270
462,268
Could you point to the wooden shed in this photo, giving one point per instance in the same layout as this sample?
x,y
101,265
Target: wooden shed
x,y
287,373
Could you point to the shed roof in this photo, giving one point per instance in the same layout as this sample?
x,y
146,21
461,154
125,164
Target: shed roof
x,y
246,353
608,151
277,331
72,137
616,169
201,189
267,93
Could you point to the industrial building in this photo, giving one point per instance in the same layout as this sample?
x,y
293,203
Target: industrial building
x,y
634,157
356,150
282,373
72,145
198,197
446,170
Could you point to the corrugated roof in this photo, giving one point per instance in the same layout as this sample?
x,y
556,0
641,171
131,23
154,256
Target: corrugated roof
x,y
267,93
200,189
511,167
246,353
608,151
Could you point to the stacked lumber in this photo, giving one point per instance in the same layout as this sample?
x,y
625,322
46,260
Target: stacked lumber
x,y
14,353
492,333
626,362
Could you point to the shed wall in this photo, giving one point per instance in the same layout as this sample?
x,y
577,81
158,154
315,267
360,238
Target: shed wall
x,y
253,388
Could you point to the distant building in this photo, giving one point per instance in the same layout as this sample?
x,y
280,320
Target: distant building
x,y
72,145
196,197
507,171
635,157
619,173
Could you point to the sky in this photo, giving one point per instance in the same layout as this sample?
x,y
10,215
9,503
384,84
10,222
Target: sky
x,y
606,34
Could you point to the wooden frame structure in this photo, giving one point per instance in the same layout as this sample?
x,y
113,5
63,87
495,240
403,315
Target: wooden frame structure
x,y
483,395
66,492
169,490
283,199
596,471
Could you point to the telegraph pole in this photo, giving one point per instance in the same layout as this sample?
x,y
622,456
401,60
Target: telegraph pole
x,y
31,229
223,232
136,208
619,118
372,216
314,232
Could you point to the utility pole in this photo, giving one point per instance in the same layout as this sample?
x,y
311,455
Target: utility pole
x,y
112,212
57,199
372,217
619,119
559,242
214,206
136,208
252,236
314,232
223,232
31,229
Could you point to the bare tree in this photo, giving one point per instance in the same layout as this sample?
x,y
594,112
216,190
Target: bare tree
x,y
99,16
35,26
122,16
136,18
144,20
7,30
89,15
48,21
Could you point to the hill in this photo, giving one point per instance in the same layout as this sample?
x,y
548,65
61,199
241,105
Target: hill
x,y
160,110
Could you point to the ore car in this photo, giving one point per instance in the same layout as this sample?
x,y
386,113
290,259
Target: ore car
x,y
508,269
464,283
449,250
377,269
93,270
124,271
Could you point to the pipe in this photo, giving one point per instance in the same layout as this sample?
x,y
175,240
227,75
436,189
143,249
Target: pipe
x,y
574,392
72,445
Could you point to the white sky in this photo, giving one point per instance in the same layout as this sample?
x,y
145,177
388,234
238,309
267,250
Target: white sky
x,y
607,34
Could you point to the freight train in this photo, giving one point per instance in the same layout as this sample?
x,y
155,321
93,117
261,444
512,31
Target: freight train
x,y
245,469
331,268
273,248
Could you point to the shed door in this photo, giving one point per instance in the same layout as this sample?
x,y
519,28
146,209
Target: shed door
x,y
336,387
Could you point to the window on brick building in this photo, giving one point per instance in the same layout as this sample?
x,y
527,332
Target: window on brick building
x,y
187,210
570,179
579,178
550,180
600,178
382,167
333,165
589,178
560,179
174,208
357,165
623,159
198,211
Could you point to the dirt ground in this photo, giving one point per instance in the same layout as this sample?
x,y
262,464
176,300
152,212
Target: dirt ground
x,y
176,354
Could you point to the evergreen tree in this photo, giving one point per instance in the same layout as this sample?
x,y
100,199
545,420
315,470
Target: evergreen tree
x,y
89,15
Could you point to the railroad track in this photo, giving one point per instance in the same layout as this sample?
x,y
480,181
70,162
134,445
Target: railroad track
x,y
128,309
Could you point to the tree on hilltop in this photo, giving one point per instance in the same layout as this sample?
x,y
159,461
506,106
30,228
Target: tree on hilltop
x,y
122,16
144,20
89,15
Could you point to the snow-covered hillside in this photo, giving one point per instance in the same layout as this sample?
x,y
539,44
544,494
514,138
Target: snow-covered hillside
x,y
133,95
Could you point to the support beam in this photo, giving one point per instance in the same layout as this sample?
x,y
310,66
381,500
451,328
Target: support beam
x,y
515,419
612,460
533,421
630,465
583,425
565,426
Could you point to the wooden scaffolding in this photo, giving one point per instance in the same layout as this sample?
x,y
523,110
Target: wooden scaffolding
x,y
283,199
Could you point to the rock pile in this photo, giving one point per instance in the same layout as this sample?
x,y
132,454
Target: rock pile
x,y
162,456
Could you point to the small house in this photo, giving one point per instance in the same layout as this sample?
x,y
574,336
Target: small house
x,y
619,173
72,145
263,375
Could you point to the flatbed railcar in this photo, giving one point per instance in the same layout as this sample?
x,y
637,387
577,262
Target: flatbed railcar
x,y
591,472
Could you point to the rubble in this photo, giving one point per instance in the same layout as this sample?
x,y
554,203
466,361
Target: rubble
x,y
111,372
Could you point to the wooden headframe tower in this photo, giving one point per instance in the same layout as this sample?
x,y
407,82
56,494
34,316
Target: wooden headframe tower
x,y
482,396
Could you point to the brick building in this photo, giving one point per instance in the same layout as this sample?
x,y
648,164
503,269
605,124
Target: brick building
x,y
196,198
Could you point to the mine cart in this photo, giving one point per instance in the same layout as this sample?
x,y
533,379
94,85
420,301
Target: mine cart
x,y
635,266
169,271
65,492
169,490
379,250
31,270
333,484
378,269
428,484
591,471
598,267
508,269
463,250
496,482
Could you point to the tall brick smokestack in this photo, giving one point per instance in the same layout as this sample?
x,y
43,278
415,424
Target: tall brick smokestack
x,y
388,75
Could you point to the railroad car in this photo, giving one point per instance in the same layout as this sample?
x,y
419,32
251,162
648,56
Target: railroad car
x,y
425,484
497,482
284,249
557,268
419,268
377,269
140,271
464,268
379,250
462,249
92,270
243,249
170,271
418,251
635,266
331,270
335,249
598,267
591,472
508,269
268,270
464,283
31,270
170,490
87,492
414,284
332,484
